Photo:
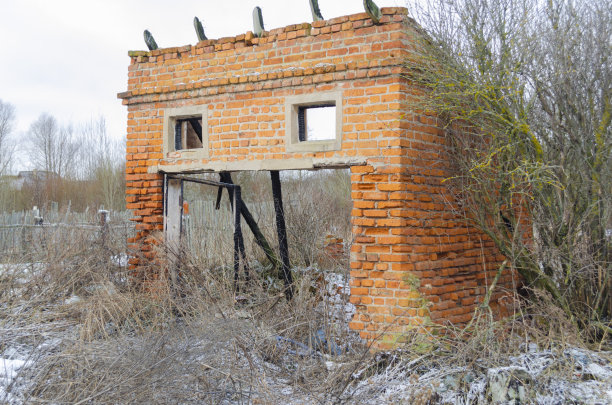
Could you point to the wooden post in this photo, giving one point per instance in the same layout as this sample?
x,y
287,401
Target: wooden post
x,y
38,236
173,206
282,232
24,238
103,226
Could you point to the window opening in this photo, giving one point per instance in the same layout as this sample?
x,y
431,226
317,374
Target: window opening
x,y
314,122
188,133
317,122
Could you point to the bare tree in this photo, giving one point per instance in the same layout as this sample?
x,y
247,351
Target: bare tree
x,y
53,148
102,160
7,120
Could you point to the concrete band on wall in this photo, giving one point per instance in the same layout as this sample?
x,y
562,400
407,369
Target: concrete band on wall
x,y
412,261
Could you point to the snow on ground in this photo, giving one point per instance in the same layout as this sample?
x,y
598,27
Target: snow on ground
x,y
21,271
120,260
543,377
9,368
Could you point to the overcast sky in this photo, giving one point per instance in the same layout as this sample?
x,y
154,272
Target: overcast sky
x,y
69,58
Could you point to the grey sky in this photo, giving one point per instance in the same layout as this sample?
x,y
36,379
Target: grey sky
x,y
69,58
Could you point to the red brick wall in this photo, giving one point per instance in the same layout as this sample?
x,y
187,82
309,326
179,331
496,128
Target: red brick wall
x,y
411,262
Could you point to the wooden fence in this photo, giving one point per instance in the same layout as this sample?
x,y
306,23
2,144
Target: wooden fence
x,y
207,232
27,234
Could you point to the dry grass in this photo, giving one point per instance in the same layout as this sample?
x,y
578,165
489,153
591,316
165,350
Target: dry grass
x,y
90,334
200,342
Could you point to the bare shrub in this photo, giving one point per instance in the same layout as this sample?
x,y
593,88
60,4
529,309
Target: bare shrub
x,y
531,82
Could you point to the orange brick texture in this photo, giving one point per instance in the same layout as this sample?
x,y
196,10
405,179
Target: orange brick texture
x,y
412,260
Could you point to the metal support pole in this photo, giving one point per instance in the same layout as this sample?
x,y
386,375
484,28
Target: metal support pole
x,y
236,243
282,232
260,239
238,204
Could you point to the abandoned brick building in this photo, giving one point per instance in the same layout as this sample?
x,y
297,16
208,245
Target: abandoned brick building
x,y
412,261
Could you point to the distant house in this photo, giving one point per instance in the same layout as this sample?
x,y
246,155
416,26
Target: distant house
x,y
32,178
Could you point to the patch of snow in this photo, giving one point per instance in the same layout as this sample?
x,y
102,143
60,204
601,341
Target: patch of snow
x,y
534,362
120,260
73,299
537,376
598,371
24,268
9,369
586,392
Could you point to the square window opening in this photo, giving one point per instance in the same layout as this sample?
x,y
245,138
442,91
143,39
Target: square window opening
x,y
188,133
317,122
314,122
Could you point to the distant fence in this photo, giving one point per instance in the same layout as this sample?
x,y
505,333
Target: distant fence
x,y
207,232
29,233
52,216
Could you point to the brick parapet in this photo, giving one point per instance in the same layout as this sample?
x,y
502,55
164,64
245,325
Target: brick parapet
x,y
328,52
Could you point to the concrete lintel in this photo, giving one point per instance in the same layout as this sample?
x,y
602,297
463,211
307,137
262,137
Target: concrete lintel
x,y
258,165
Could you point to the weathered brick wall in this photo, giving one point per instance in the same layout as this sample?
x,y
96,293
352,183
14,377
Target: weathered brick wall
x,y
411,260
